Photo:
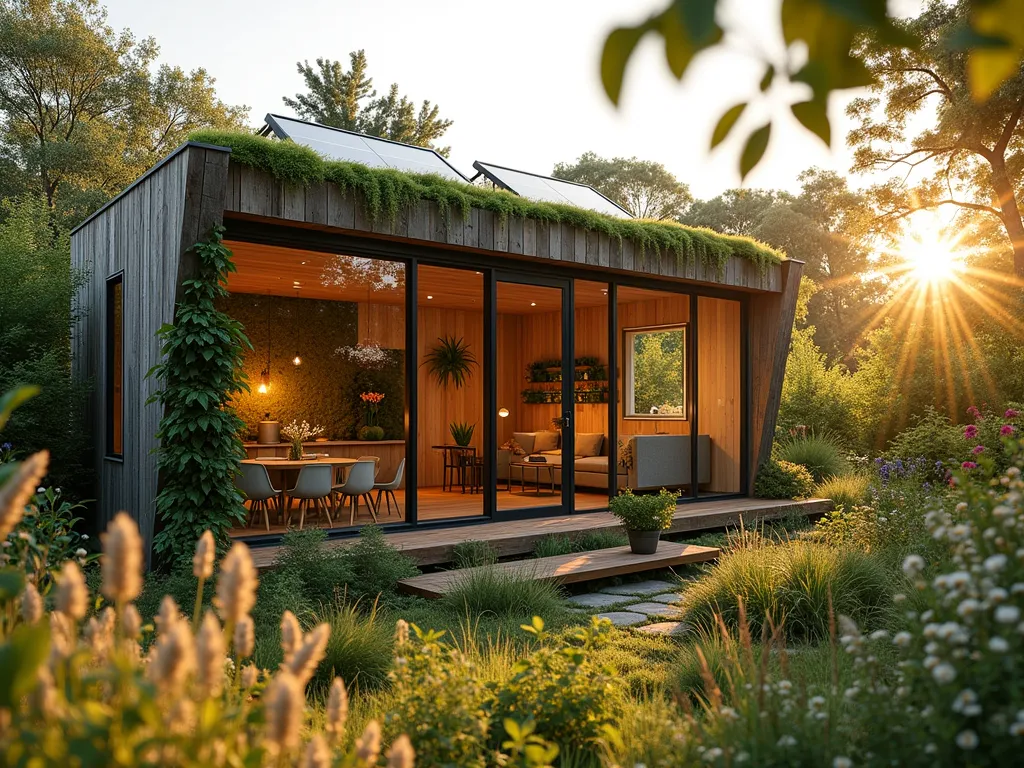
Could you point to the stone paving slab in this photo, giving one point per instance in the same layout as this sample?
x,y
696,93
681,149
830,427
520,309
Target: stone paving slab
x,y
674,628
652,609
595,600
640,588
668,598
623,618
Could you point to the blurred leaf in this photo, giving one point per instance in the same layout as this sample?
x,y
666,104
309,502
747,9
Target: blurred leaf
x,y
754,149
998,48
684,37
814,117
11,400
12,581
618,47
26,648
726,123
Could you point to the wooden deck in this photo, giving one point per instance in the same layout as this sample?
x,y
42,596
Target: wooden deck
x,y
566,569
430,546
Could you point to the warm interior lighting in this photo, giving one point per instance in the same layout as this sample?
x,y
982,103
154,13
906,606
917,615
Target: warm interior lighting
x,y
429,297
296,360
503,412
533,303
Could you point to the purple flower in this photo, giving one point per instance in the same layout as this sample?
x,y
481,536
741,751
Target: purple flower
x,y
970,432
1011,413
1006,430
968,465
6,447
978,449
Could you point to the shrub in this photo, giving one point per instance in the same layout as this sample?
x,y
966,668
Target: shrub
x,y
644,512
470,554
790,583
501,592
783,480
376,566
358,651
932,436
324,572
846,491
820,453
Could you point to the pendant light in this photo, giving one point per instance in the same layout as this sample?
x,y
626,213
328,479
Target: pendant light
x,y
297,360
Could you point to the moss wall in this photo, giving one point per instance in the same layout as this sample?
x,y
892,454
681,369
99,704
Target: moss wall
x,y
325,388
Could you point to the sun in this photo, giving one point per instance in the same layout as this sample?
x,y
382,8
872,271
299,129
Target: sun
x,y
930,255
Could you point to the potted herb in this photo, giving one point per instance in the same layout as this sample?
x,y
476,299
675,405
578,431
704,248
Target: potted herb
x,y
644,518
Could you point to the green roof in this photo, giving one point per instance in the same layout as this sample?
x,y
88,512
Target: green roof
x,y
387,192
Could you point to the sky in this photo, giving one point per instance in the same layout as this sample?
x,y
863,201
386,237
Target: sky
x,y
520,80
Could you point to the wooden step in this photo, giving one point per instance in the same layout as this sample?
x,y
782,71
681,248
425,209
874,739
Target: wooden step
x,y
566,569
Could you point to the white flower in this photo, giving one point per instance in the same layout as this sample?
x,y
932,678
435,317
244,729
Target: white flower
x,y
879,634
964,699
784,686
40,489
1017,729
728,713
712,754
967,739
85,537
816,703
998,645
1007,614
968,607
997,595
786,741
80,552
902,639
842,762
913,565
944,673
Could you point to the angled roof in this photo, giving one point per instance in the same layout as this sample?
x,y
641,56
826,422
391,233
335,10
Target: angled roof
x,y
548,189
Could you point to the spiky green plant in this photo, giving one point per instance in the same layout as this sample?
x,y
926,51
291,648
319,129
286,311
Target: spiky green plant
x,y
450,362
462,432
845,490
820,453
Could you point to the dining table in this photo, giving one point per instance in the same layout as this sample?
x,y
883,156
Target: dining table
x,y
273,463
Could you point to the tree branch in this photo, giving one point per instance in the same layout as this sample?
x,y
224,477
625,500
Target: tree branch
x,y
900,213
1011,125
943,87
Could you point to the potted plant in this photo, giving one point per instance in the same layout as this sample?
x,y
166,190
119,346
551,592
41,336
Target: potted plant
x,y
644,518
450,362
297,434
372,430
462,432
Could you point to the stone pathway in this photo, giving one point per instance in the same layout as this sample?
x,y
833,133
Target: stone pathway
x,y
636,604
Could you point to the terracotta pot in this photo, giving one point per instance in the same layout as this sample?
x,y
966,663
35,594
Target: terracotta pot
x,y
643,542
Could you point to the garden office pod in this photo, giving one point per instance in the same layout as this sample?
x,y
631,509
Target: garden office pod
x,y
516,352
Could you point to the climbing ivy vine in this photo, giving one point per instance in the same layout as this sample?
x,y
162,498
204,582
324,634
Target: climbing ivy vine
x,y
200,448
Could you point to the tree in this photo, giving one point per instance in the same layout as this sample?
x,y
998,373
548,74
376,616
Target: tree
x,y
815,53
347,100
643,187
971,154
829,227
79,110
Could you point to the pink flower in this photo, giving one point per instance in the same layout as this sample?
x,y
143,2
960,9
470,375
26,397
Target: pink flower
x,y
970,432
1006,430
978,449
968,465
1011,413
973,410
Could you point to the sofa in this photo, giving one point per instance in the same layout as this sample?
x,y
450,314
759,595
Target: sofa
x,y
651,461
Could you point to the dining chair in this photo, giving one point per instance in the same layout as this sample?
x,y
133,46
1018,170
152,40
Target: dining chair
x,y
387,490
254,483
358,484
376,463
312,488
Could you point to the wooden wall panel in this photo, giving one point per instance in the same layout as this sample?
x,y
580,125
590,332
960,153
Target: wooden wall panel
x,y
437,407
142,233
382,324
719,408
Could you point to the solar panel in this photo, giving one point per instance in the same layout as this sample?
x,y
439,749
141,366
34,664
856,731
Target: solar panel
x,y
339,144
550,190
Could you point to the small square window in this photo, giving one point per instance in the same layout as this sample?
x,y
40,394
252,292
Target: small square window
x,y
655,372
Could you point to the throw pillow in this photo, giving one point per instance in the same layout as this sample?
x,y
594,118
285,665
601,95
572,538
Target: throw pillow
x,y
545,441
526,440
589,444
514,447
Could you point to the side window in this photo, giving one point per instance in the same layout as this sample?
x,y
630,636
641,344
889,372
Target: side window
x,y
115,366
655,368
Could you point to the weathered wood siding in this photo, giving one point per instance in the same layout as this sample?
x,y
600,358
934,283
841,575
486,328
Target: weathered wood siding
x,y
257,194
142,233
771,329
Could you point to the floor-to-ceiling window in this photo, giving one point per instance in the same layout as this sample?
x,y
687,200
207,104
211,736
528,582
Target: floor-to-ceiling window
x,y
450,360
595,454
327,386
719,404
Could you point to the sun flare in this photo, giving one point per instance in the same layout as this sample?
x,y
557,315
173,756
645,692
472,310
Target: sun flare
x,y
930,254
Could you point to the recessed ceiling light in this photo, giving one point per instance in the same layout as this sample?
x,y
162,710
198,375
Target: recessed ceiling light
x,y
303,262
430,297
533,303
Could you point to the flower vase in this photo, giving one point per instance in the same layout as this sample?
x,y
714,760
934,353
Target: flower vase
x,y
295,451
